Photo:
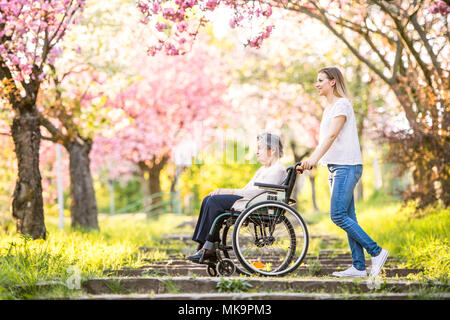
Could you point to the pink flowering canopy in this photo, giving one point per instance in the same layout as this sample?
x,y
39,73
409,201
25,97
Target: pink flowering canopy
x,y
179,21
29,33
173,97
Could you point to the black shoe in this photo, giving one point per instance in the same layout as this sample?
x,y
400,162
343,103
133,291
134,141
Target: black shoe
x,y
201,256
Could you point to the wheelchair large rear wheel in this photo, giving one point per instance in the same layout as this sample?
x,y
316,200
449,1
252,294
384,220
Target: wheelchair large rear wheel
x,y
270,238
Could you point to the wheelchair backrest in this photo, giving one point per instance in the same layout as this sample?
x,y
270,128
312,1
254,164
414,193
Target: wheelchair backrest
x,y
277,194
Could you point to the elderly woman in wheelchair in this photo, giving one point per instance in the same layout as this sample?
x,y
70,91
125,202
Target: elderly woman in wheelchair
x,y
269,237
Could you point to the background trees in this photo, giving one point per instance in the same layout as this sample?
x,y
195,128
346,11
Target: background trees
x,y
172,97
94,87
29,34
404,43
72,104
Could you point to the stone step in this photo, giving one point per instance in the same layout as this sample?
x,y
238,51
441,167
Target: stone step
x,y
188,238
321,256
161,285
320,262
268,296
201,271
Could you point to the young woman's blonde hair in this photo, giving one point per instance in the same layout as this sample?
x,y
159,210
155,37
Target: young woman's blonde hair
x,y
339,89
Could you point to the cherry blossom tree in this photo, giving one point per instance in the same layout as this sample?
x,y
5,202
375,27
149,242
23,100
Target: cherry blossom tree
x,y
73,102
70,106
29,35
404,43
174,96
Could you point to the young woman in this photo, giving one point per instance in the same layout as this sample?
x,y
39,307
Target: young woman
x,y
339,149
269,150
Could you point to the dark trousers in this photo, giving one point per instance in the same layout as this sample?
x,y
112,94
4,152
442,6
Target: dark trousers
x,y
212,207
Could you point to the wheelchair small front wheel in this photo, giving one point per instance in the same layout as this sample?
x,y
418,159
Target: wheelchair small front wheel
x,y
228,252
211,269
270,238
225,267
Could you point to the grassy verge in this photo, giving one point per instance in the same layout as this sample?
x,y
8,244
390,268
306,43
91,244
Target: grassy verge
x,y
70,257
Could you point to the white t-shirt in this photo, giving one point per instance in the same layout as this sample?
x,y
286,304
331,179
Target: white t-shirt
x,y
275,174
345,149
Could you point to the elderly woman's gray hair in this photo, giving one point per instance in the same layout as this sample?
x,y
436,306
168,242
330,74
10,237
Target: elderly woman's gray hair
x,y
273,142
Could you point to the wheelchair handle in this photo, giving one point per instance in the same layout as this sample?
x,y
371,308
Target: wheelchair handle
x,y
295,167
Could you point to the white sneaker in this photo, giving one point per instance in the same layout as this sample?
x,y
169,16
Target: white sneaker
x,y
351,272
378,262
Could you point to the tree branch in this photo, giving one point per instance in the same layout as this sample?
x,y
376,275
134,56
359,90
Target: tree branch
x,y
356,52
49,139
397,60
5,74
57,135
425,42
409,43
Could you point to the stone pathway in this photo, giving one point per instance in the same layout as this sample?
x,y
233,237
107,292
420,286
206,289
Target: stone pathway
x,y
176,278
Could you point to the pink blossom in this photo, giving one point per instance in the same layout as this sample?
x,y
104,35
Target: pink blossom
x,y
181,27
28,31
161,26
212,4
168,13
441,7
267,12
174,95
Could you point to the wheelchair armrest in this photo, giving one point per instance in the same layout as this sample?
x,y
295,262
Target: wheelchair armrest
x,y
271,186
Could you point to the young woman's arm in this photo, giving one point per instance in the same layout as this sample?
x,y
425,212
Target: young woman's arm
x,y
336,126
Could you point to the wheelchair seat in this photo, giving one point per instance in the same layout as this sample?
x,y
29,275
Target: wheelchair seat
x,y
256,230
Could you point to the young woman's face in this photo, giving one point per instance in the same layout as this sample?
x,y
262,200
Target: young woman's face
x,y
324,85
263,154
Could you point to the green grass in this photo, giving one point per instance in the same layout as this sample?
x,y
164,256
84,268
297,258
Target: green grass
x,y
233,285
418,237
24,263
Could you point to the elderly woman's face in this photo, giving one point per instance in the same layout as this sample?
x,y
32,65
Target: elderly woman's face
x,y
263,153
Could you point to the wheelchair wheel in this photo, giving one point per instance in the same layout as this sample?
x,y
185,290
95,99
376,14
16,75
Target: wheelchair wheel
x,y
225,267
227,248
270,238
211,269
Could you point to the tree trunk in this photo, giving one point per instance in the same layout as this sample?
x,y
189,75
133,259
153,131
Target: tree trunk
x,y
312,180
27,204
83,206
154,183
175,195
153,168
144,185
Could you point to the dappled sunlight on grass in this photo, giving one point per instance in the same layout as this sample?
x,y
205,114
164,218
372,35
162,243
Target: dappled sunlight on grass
x,y
117,245
419,238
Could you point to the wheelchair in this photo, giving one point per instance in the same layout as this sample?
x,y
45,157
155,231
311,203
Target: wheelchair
x,y
268,238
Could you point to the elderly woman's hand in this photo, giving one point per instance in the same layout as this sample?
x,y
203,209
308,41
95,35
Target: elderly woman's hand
x,y
222,191
216,192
